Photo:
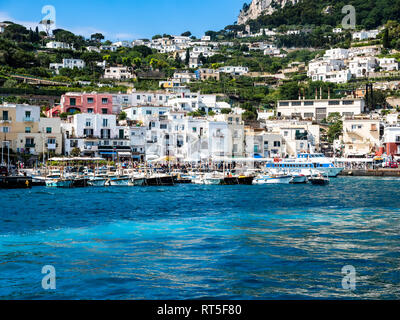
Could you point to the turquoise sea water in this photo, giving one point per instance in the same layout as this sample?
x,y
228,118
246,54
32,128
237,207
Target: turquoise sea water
x,y
196,242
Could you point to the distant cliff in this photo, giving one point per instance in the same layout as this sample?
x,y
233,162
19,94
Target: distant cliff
x,y
261,7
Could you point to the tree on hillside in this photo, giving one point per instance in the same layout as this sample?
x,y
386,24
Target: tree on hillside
x,y
385,39
186,34
97,37
187,57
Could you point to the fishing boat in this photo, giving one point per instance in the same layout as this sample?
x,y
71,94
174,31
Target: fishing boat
x,y
59,183
214,178
55,180
160,180
97,181
304,163
118,181
298,178
242,180
319,180
13,182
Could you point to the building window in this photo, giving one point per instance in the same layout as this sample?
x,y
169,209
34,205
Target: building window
x,y
27,129
148,112
88,123
104,111
277,143
90,110
48,130
6,129
105,122
163,126
334,103
5,115
104,100
90,100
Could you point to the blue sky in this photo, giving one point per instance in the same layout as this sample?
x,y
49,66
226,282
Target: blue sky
x,y
127,19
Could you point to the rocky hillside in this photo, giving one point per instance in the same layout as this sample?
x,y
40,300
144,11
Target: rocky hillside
x,y
261,7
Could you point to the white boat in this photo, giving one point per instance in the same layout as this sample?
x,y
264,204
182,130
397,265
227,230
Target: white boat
x,y
118,181
298,178
59,183
97,181
209,179
273,179
304,163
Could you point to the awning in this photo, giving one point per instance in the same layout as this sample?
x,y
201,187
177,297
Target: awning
x,y
124,154
108,153
151,157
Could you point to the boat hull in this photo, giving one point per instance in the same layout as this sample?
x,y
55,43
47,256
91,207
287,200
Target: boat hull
x,y
97,182
15,182
160,181
298,180
238,180
123,182
59,183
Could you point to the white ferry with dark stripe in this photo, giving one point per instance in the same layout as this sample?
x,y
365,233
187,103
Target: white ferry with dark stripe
x,y
306,164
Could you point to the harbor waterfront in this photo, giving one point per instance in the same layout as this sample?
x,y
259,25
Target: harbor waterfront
x,y
203,241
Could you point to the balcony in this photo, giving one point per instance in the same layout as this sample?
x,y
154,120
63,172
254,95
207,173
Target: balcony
x,y
51,146
28,119
5,119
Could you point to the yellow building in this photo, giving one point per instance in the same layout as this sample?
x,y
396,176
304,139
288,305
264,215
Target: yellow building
x,y
22,128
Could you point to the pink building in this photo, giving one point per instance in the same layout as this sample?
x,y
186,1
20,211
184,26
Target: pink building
x,y
98,103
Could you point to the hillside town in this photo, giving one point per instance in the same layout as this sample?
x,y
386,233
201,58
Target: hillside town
x,y
192,99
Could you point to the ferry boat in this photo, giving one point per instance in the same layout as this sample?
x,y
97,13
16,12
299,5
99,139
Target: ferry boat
x,y
305,164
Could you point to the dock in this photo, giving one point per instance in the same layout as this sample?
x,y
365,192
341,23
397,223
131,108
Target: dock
x,y
371,173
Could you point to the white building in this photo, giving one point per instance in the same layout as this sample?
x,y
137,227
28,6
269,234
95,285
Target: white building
x,y
388,64
360,136
329,70
362,66
184,77
118,73
111,48
96,135
234,70
391,139
195,102
122,44
364,35
320,109
68,64
59,45
337,53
